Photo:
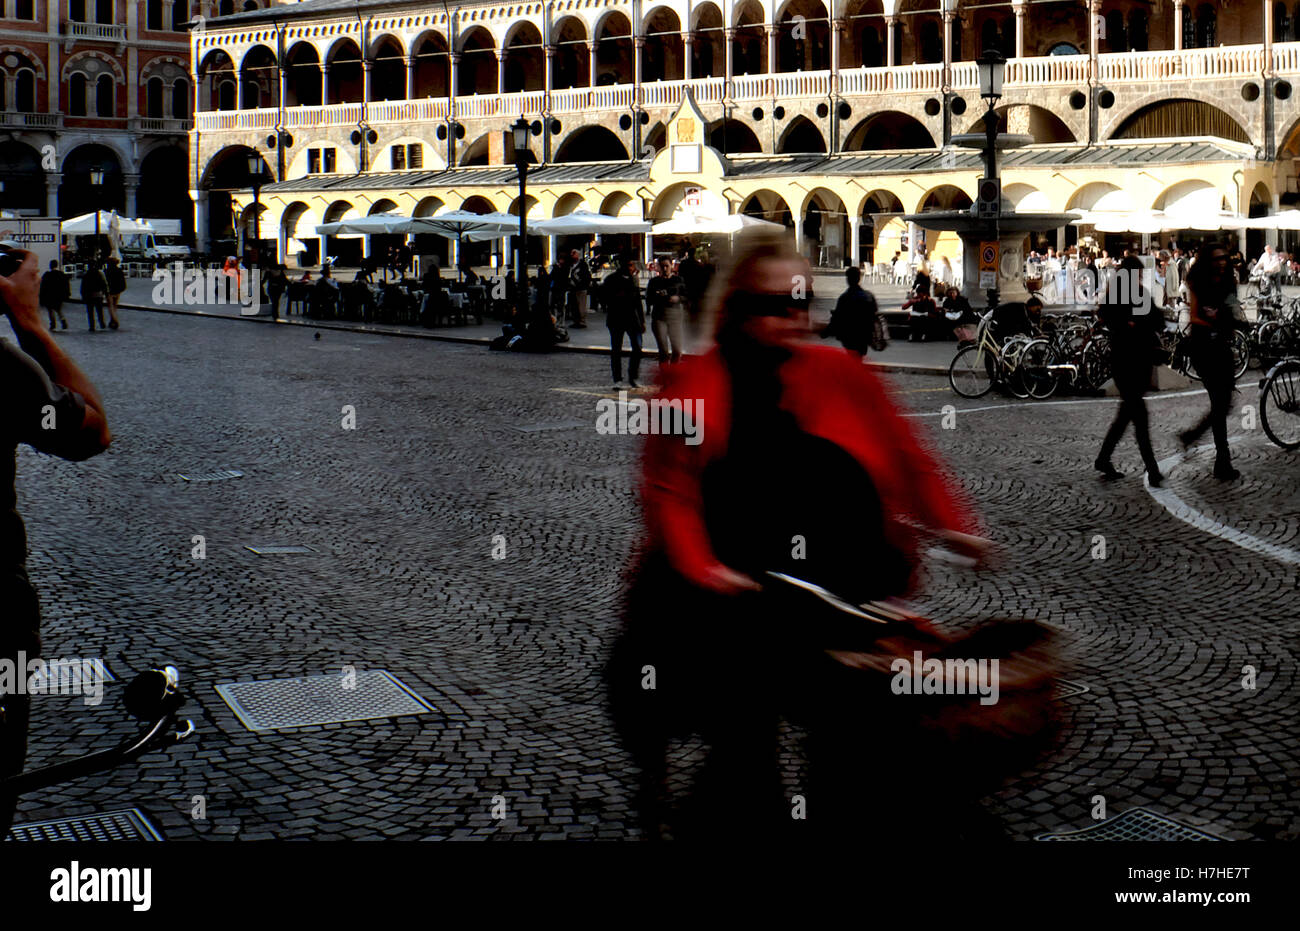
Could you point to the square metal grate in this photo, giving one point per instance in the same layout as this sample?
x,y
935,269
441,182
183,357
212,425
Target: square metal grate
x,y
272,704
1064,688
69,677
279,549
1134,824
216,476
130,824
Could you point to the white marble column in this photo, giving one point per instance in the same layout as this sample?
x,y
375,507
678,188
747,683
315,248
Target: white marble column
x,y
1178,25
688,49
592,64
324,84
890,22
200,199
855,246
1019,10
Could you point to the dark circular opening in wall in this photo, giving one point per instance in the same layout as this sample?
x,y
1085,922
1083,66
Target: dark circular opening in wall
x,y
625,122
1078,101
958,105
932,106
442,132
1250,91
845,111
1106,100
757,114
822,110
1282,90
556,127
779,113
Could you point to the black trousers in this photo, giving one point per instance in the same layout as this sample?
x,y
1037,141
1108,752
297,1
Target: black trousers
x,y
95,309
19,633
1132,378
616,332
1212,356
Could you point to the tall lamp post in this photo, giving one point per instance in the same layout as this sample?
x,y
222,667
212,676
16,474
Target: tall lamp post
x,y
521,131
97,182
255,176
992,68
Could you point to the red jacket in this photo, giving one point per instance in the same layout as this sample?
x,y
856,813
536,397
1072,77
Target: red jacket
x,y
832,395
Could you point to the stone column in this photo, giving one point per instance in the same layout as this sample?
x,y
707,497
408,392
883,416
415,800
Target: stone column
x,y
592,63
855,247
324,84
770,29
638,47
366,67
501,70
730,36
890,23
410,76
455,74
52,181
688,49
1020,10
1178,25
1268,38
239,91
549,76
948,17
1094,11
837,28
200,199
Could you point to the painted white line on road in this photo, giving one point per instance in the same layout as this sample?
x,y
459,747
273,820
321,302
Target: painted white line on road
x,y
1189,515
1001,407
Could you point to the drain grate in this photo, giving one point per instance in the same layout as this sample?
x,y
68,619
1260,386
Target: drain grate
x,y
280,549
66,676
130,824
1064,688
1134,824
272,704
545,427
217,476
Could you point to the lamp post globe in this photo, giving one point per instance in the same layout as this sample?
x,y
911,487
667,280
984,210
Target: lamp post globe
x,y
96,182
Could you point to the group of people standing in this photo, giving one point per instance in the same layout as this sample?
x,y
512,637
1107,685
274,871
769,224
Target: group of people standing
x,y
101,287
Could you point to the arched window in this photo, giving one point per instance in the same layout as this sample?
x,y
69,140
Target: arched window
x,y
180,15
252,95
25,91
1138,31
225,7
181,100
153,99
250,5
1206,26
77,11
1064,48
77,95
153,15
226,95
104,96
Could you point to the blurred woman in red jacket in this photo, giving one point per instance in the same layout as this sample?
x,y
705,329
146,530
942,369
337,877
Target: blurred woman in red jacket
x,y
802,464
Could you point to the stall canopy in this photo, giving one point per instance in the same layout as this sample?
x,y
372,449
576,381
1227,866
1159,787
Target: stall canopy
x,y
84,225
584,221
1286,220
692,224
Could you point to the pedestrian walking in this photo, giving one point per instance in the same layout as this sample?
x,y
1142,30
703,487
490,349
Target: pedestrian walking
x,y
560,272
665,295
1134,322
276,286
50,405
579,288
55,289
853,321
624,314
93,289
116,284
1215,314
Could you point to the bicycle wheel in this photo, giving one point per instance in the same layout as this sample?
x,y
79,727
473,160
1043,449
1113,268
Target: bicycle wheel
x,y
1034,369
1095,364
1272,341
1240,353
971,373
1011,375
1279,405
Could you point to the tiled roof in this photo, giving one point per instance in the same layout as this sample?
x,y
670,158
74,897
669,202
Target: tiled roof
x,y
565,173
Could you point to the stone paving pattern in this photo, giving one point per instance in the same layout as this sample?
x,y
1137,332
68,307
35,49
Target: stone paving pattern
x,y
402,512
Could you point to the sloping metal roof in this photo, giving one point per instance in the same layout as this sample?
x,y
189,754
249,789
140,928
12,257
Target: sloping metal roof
x,y
566,173
1138,153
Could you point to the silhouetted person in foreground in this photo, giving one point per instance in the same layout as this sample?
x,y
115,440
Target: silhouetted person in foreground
x,y
853,321
1215,309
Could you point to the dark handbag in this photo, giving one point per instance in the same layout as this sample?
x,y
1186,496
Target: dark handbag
x,y
879,334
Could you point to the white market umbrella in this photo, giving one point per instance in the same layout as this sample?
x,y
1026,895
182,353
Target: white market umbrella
x,y
584,221
695,224
375,223
1286,220
84,225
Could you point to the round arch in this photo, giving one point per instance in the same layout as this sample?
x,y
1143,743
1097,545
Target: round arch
x,y
1027,119
768,205
591,144
478,203
889,129
20,165
571,65
567,203
943,197
77,195
476,153
733,137
1180,117
802,136
167,194
615,203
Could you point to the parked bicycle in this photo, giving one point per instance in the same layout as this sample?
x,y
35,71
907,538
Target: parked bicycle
x,y
982,362
1279,403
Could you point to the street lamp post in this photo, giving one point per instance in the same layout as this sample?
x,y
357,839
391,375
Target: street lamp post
x,y
992,68
254,254
97,182
521,131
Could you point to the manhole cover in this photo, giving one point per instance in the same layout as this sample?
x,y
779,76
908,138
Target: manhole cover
x,y
279,549
1064,688
217,476
114,825
271,704
1134,824
65,677
544,427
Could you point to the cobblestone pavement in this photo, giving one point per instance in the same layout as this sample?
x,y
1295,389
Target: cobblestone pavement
x,y
454,445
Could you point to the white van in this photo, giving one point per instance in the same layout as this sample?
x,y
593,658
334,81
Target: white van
x,y
165,244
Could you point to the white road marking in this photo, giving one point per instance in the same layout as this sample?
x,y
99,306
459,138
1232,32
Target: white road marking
x,y
1000,407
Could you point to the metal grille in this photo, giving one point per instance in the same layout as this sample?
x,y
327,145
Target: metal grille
x,y
211,476
68,676
1064,688
130,824
279,549
544,427
1134,824
272,704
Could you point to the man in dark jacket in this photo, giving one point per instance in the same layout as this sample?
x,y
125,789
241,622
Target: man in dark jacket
x,y
665,296
55,289
93,289
116,281
624,314
579,286
48,403
853,322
